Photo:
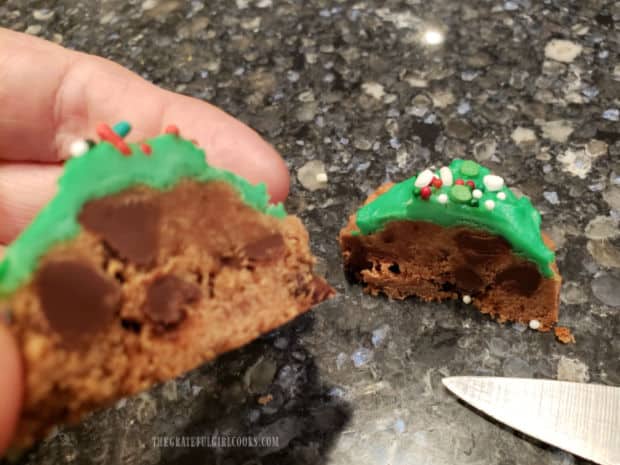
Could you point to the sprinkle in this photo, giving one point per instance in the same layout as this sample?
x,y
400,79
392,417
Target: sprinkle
x,y
460,194
470,168
466,299
78,148
446,176
501,196
424,178
105,133
442,198
321,177
489,204
534,324
471,184
425,192
476,194
459,182
146,148
172,129
493,182
122,128
437,182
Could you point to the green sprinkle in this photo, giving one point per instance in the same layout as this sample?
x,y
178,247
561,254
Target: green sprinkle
x,y
460,193
470,168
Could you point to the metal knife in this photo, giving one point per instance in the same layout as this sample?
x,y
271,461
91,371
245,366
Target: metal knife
x,y
583,419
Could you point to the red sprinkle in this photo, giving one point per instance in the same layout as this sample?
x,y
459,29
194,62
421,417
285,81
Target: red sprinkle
x,y
172,129
105,133
459,182
436,182
146,148
471,184
425,192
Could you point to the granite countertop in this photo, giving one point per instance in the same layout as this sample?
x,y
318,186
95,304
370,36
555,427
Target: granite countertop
x,y
529,88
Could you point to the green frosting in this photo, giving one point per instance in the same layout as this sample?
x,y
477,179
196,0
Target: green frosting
x,y
513,218
102,171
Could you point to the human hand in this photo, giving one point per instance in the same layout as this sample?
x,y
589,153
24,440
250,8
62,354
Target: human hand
x,y
49,97
11,387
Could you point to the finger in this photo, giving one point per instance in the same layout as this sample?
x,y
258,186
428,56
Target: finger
x,y
39,118
11,387
24,189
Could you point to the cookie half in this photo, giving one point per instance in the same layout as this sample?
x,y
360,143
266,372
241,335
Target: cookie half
x,y
456,233
147,263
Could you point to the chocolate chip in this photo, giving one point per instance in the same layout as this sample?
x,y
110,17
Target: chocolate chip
x,y
267,249
523,278
468,279
480,247
358,259
128,226
76,299
167,297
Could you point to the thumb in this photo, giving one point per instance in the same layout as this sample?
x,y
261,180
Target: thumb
x,y
11,387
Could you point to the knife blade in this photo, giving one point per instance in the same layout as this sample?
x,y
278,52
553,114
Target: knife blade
x,y
583,419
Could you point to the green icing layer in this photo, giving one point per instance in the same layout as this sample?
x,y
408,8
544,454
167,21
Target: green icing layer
x,y
513,218
102,171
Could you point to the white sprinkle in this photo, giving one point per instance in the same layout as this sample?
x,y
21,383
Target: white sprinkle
x,y
442,198
493,182
466,299
476,194
501,196
446,176
489,204
321,177
78,148
424,178
534,324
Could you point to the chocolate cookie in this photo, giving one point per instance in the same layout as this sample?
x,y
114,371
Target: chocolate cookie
x,y
457,233
147,263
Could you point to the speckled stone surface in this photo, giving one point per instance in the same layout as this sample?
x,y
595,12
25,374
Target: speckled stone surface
x,y
530,88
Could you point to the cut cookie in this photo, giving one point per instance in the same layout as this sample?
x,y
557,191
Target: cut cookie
x,y
455,233
147,263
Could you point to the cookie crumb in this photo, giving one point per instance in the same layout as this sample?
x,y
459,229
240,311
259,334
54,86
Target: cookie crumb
x,y
564,335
